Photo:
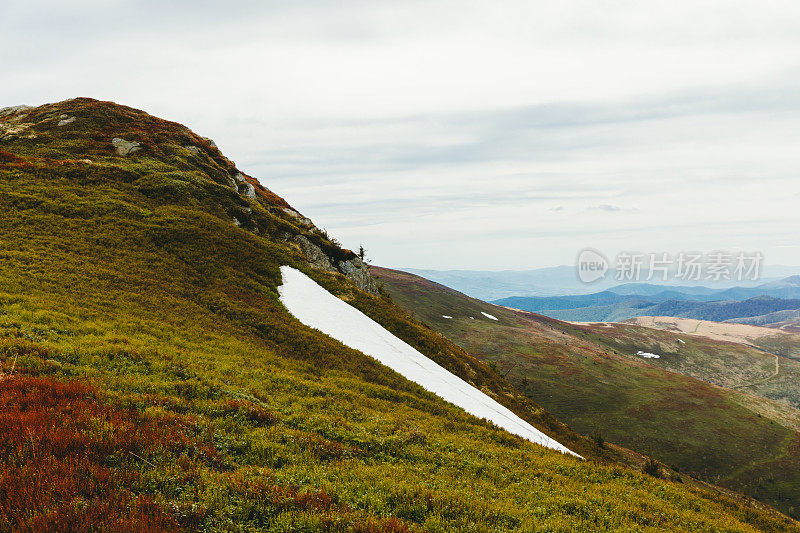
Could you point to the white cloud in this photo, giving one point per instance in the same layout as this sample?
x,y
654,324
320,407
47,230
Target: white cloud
x,y
430,129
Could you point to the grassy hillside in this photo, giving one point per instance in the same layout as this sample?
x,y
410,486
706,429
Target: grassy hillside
x,y
727,364
591,378
782,342
151,380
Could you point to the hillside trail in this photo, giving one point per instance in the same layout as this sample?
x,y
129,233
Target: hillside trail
x,y
766,379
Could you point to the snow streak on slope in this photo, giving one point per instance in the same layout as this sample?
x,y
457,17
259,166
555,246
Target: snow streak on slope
x,y
317,308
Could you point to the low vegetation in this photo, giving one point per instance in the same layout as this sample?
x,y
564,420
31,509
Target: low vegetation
x,y
151,380
674,408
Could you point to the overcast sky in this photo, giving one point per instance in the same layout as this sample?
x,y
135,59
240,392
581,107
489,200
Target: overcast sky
x,y
463,134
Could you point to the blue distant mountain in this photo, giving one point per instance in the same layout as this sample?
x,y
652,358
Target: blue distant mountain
x,y
643,299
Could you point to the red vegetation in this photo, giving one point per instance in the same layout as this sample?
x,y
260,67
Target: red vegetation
x,y
278,498
250,411
67,461
266,194
324,449
274,499
10,161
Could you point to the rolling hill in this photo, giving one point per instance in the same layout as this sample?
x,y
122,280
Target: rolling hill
x,y
784,343
490,285
151,378
611,306
714,409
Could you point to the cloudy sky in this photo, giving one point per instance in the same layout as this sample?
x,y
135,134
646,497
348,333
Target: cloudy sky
x,y
463,134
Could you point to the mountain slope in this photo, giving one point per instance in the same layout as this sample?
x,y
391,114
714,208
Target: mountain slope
x,y
593,377
152,380
630,300
317,308
608,307
774,341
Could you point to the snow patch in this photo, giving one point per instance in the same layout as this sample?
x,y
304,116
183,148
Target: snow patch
x,y
317,308
487,315
681,341
648,355
446,316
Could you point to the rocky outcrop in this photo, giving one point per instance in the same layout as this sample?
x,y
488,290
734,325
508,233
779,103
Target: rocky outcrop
x,y
13,110
353,269
14,126
125,147
314,254
244,187
358,272
297,216
65,120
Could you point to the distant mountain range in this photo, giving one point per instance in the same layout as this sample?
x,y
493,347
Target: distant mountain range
x,y
778,300
562,281
711,404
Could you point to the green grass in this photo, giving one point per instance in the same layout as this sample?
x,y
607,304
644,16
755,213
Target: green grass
x,y
143,329
590,377
727,364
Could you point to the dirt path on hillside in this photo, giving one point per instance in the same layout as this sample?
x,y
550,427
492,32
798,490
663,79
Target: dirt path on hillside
x,y
766,379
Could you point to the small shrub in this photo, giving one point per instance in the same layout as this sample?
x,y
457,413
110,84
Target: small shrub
x,y
651,468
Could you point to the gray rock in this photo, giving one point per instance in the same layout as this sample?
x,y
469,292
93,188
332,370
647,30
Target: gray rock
x,y
66,121
13,110
354,269
297,216
193,149
236,222
314,254
247,189
209,141
125,147
357,272
244,187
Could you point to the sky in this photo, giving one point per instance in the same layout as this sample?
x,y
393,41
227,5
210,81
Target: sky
x,y
464,134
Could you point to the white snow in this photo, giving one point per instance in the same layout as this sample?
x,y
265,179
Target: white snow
x,y
317,308
446,316
648,355
681,341
487,315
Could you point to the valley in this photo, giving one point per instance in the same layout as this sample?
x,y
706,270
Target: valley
x,y
710,408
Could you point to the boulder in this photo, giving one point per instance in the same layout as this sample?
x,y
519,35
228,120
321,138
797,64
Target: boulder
x,y
125,147
314,254
358,273
353,269
245,187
